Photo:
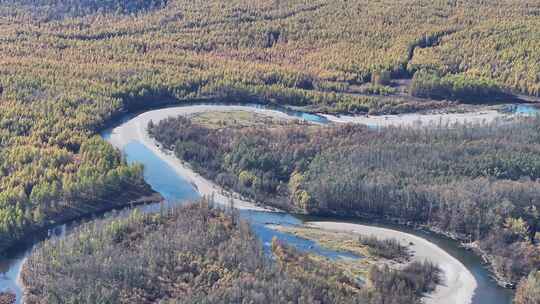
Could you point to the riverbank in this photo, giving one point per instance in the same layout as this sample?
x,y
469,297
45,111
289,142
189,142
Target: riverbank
x,y
491,263
459,284
135,130
422,120
21,298
488,260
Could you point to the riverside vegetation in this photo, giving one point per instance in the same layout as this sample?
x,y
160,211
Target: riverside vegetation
x,y
365,246
200,254
528,291
68,68
479,182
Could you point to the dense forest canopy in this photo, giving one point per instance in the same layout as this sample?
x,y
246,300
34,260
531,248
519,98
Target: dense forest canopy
x,y
68,68
528,291
199,254
57,9
477,181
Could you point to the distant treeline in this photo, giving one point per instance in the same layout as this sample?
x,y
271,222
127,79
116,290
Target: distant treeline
x,y
457,87
199,254
480,182
57,9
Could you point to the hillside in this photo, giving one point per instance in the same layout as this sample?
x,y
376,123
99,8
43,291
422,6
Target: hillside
x,y
68,68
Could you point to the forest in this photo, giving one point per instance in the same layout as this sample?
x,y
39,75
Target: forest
x,y
389,249
70,68
200,254
59,9
528,291
456,87
479,182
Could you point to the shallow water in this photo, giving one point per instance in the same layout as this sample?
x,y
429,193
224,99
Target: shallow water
x,y
521,109
159,175
177,190
487,291
9,268
527,110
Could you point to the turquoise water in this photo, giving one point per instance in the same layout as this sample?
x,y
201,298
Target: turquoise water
x,y
521,109
10,267
525,110
159,175
176,191
259,221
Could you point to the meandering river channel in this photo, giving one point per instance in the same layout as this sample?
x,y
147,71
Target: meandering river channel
x,y
176,189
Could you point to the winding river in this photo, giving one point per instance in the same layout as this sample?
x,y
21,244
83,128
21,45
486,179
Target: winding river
x,y
176,188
